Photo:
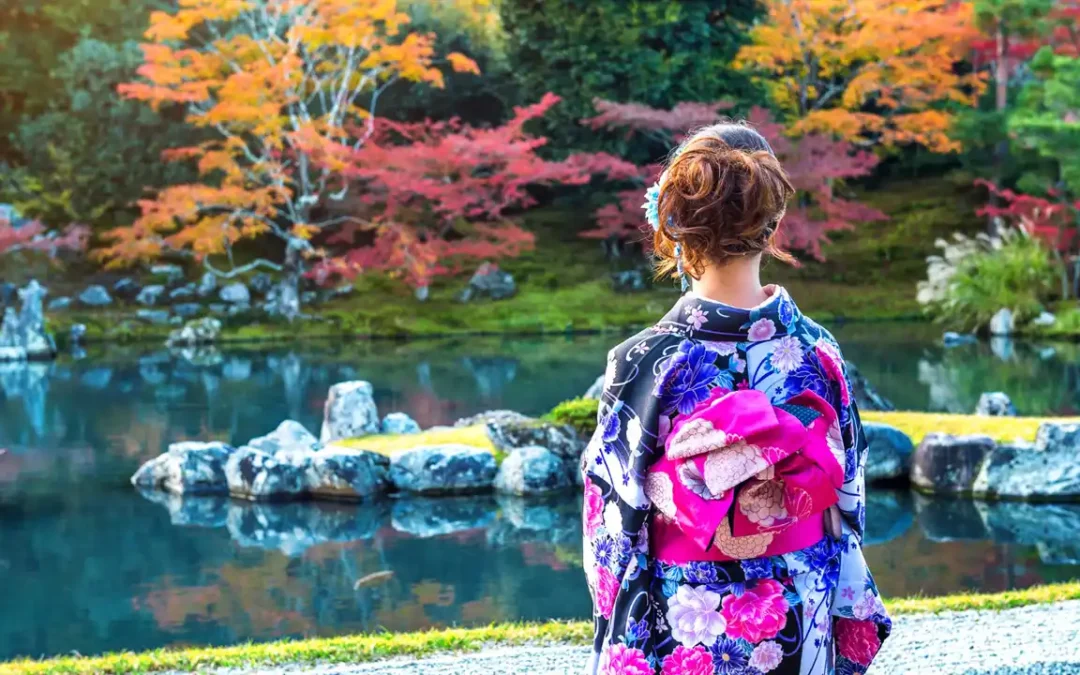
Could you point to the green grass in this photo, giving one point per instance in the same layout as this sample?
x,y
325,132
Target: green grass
x,y
366,648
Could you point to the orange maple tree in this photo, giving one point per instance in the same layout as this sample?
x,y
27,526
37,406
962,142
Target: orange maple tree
x,y
866,71
274,84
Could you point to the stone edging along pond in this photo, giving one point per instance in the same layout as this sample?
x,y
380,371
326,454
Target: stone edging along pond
x,y
360,456
367,648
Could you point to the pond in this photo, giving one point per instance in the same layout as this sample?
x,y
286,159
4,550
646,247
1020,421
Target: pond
x,y
89,565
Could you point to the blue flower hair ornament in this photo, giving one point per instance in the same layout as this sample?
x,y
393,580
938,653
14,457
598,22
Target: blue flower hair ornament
x,y
652,216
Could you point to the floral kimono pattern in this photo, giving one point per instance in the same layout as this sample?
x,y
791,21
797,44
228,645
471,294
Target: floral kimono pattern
x,y
738,607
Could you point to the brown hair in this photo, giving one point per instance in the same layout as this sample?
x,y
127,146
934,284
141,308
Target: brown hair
x,y
722,196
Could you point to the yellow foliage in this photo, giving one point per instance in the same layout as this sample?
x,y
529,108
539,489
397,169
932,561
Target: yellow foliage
x,y
1006,429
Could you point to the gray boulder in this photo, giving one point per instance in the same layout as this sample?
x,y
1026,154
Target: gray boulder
x,y
1044,319
949,464
261,283
207,285
183,292
890,452
95,296
77,333
559,439
235,293
157,317
1003,323
532,470
169,273
629,281
350,411
489,282
995,404
187,468
150,295
126,288
8,293
1046,471
399,423
289,437
202,331
256,475
1057,437
23,333
443,469
497,416
866,397
346,474
187,310
58,304
951,339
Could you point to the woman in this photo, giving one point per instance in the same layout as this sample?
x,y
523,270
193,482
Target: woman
x,y
724,489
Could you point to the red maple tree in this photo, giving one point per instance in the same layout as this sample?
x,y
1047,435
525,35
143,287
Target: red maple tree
x,y
34,236
816,164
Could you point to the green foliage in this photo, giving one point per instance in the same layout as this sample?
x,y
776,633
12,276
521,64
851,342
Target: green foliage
x,y
579,413
654,52
976,278
93,153
1047,118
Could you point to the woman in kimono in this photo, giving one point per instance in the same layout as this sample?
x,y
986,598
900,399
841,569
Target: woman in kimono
x,y
724,487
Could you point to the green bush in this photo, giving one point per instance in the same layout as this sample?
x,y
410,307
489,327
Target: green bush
x,y
974,278
579,413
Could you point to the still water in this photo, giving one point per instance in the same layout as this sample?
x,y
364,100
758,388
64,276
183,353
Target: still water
x,y
89,565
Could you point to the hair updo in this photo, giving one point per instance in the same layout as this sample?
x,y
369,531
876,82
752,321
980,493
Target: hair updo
x,y
722,196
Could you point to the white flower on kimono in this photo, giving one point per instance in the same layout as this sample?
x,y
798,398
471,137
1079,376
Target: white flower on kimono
x,y
695,317
613,519
610,372
761,330
633,433
724,348
868,606
787,354
694,616
767,656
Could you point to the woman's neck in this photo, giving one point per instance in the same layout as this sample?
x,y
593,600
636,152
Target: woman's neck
x,y
736,283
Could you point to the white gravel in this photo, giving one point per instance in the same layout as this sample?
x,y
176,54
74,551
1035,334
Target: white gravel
x,y
1036,640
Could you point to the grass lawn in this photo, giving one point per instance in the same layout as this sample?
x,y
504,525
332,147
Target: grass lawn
x,y
363,648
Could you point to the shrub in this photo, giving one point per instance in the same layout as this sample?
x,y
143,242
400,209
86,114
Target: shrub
x,y
973,278
579,413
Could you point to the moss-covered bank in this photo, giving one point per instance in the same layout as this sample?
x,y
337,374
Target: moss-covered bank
x,y
364,648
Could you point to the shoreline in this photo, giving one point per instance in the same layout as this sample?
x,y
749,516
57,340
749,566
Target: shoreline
x,y
382,647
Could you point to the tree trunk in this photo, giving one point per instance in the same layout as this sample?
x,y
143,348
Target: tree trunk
x,y
1001,104
288,291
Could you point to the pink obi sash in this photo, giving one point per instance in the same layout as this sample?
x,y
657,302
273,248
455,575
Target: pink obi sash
x,y
741,478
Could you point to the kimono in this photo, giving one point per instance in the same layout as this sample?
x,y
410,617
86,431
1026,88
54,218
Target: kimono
x,y
723,435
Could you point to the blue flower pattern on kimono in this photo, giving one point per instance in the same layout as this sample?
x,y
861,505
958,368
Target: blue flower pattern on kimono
x,y
666,371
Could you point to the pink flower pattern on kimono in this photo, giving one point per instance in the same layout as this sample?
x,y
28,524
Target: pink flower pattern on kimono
x,y
767,656
857,640
618,659
834,368
760,613
693,616
594,507
761,330
688,661
726,468
607,588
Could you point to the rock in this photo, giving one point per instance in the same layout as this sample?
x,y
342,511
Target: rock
x,y
559,439
95,296
235,294
489,282
207,285
8,293
629,281
443,469
596,390
77,333
182,292
399,423
150,295
252,474
126,288
995,404
261,283
422,293
187,310
1044,319
499,416
202,331
191,510
890,452
289,437
350,411
951,339
343,473
187,468
1002,323
237,309
217,308
949,464
26,330
532,470
12,354
866,397
170,273
157,317
294,528
425,517
1045,471
308,297
1057,437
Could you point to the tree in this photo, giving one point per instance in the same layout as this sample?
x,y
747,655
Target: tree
x,y
433,195
277,83
866,71
1047,117
32,236
816,163
654,52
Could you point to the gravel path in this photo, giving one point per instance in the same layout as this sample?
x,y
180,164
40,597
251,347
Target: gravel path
x,y
1036,640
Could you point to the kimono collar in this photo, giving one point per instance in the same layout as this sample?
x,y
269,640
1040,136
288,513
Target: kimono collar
x,y
703,319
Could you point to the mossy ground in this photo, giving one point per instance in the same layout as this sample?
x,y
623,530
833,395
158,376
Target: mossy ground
x,y
391,444
365,648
